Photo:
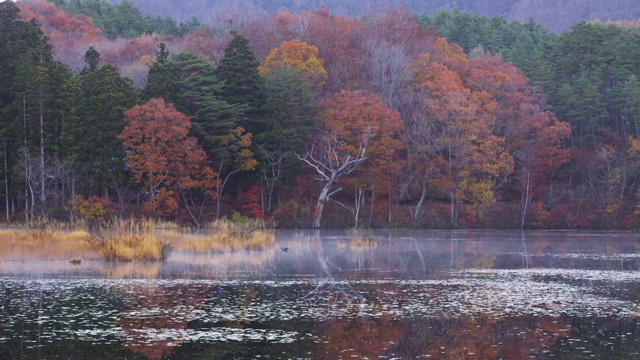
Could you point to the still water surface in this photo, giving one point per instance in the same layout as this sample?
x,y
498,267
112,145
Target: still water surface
x,y
409,295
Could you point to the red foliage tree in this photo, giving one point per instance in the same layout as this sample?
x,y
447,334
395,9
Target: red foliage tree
x,y
163,158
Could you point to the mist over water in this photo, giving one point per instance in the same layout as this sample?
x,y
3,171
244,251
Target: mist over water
x,y
319,295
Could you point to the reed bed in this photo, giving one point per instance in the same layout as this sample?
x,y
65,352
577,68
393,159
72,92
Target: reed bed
x,y
362,239
45,244
228,236
128,240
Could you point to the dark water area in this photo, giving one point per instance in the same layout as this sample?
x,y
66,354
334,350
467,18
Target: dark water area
x,y
318,295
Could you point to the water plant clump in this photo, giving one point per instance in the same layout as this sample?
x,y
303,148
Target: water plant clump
x,y
362,238
239,233
44,241
128,240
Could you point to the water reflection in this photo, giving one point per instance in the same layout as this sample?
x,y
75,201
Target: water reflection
x,y
445,295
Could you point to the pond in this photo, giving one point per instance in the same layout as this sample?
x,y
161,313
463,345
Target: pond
x,y
320,295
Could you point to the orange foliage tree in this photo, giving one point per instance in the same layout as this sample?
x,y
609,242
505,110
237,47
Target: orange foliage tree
x,y
464,159
92,209
533,136
354,126
162,158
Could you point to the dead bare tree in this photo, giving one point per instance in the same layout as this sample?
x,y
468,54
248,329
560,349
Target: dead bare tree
x,y
331,164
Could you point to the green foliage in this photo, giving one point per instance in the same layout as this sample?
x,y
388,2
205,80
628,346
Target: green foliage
x,y
592,66
524,45
125,19
92,58
163,78
238,70
584,71
30,104
199,96
96,102
241,83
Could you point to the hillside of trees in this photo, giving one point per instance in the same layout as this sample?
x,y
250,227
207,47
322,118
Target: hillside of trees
x,y
314,119
557,16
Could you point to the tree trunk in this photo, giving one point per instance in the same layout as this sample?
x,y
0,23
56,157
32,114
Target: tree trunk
x,y
423,195
373,197
6,184
322,199
454,212
358,205
42,174
526,199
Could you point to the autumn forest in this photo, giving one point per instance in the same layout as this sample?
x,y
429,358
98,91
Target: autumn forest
x,y
312,119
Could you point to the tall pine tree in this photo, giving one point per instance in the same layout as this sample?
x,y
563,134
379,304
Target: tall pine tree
x,y
241,83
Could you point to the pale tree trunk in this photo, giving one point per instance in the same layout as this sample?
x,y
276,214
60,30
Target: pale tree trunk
x,y
26,175
29,191
221,188
42,172
423,195
389,214
270,177
73,193
322,199
526,199
454,212
359,196
331,167
373,197
6,184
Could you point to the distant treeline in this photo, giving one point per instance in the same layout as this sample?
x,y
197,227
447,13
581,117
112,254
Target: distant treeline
x,y
388,120
124,19
557,16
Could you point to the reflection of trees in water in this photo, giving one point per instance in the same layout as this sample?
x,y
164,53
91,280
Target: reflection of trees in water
x,y
481,337
359,338
158,309
334,293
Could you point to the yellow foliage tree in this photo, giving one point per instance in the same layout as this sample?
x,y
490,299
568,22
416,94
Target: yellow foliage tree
x,y
299,56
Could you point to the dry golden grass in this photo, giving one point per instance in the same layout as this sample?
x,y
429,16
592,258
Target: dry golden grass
x,y
121,246
228,236
44,244
130,239
364,244
361,239
76,235
226,241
